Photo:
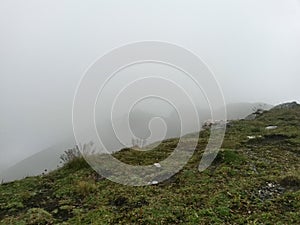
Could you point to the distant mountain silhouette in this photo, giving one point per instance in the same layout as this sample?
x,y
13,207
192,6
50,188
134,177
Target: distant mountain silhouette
x,y
43,161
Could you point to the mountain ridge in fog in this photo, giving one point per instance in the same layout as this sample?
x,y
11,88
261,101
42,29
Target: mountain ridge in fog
x,y
48,159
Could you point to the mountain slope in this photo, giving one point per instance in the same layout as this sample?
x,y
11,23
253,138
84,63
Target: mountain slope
x,y
36,164
49,158
254,180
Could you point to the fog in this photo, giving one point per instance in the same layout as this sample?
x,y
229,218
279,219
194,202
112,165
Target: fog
x,y
252,47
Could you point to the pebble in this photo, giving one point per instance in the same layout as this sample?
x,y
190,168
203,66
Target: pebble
x,y
270,190
157,165
271,127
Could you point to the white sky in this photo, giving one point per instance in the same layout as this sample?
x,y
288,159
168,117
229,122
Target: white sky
x,y
252,46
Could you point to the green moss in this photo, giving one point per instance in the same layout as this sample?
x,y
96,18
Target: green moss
x,y
228,192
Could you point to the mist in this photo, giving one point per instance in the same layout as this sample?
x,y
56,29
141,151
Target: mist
x,y
252,47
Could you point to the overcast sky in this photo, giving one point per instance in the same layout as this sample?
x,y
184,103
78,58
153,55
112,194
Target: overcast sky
x,y
252,46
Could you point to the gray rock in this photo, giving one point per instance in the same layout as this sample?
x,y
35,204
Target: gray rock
x,y
288,105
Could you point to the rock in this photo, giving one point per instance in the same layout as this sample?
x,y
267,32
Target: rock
x,y
251,137
289,105
254,137
271,127
250,117
207,124
154,182
254,115
157,165
270,185
270,190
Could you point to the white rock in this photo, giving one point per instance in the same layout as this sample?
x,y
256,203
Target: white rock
x,y
154,182
157,165
271,127
251,137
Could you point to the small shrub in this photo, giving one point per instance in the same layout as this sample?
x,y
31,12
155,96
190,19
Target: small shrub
x,y
70,155
232,157
84,188
255,130
38,216
229,157
77,164
73,159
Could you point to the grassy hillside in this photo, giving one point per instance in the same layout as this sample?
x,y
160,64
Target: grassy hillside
x,y
252,181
